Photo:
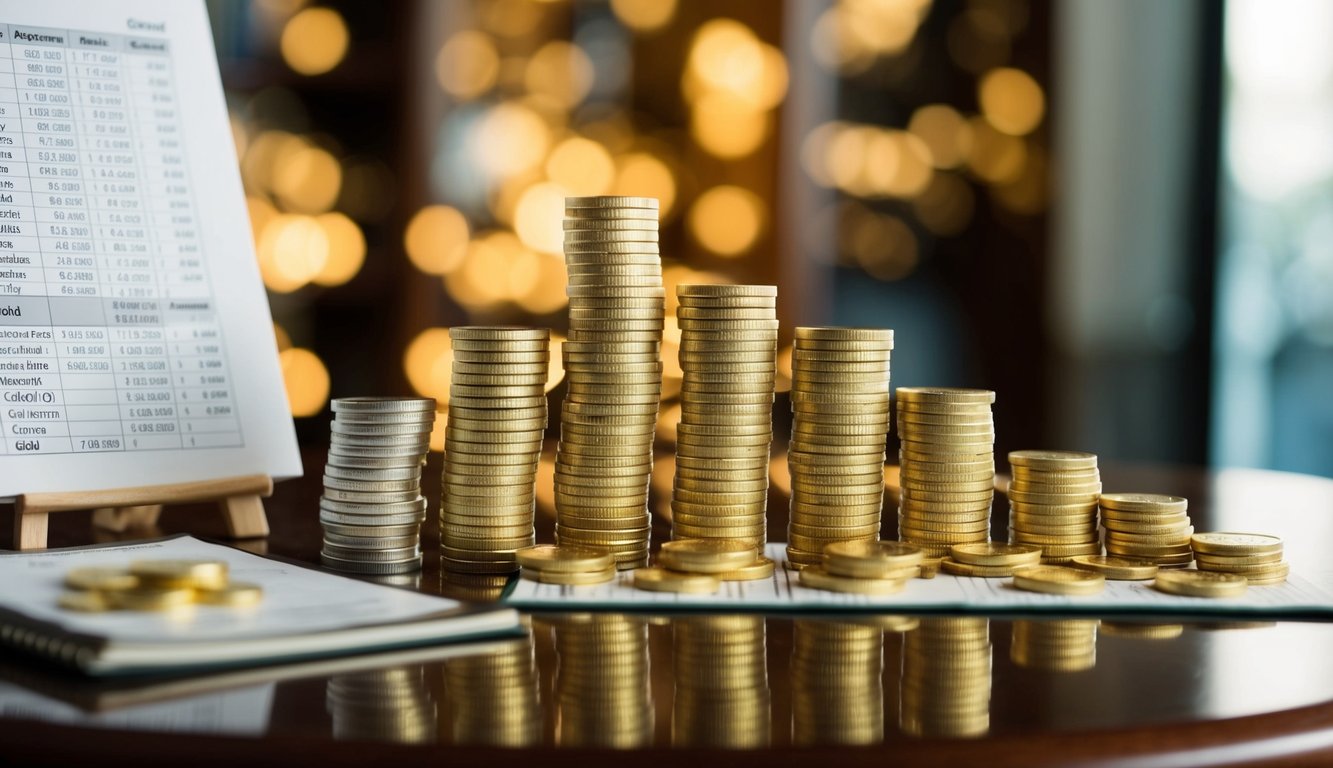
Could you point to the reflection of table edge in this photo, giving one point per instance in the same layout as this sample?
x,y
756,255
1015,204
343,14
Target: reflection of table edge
x,y
1304,734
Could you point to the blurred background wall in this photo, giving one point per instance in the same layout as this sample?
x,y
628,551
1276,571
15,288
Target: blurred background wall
x,y
1117,215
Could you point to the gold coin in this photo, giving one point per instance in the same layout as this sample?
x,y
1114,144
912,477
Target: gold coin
x,y
148,599
235,594
1143,502
1116,568
663,580
1057,580
958,568
844,556
497,333
84,601
101,578
1267,559
707,555
187,574
1265,571
709,290
760,569
881,336
571,578
816,577
995,553
1053,459
1228,543
945,395
552,558
1200,583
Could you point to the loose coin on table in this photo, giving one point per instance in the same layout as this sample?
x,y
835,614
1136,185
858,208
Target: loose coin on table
x,y
665,580
1059,580
155,585
1200,583
714,556
1116,568
817,577
873,559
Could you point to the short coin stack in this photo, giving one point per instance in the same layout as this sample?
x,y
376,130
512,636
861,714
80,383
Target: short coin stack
x,y
837,680
840,419
494,697
1053,503
947,466
990,559
864,567
1256,556
728,353
1067,645
392,704
1147,526
566,565
493,440
613,370
946,682
372,507
722,699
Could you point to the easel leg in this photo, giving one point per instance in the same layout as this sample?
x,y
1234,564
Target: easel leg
x,y
121,519
245,516
30,530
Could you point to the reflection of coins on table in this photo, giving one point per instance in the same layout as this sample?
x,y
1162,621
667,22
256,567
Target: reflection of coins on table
x,y
1055,645
721,696
946,679
837,683
372,505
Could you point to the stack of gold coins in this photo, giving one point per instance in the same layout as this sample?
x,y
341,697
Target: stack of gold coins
x,y
493,698
493,440
601,687
947,465
728,353
840,418
1066,645
613,370
392,705
864,567
722,698
372,507
1053,503
990,559
566,565
700,565
1256,556
1147,526
837,680
946,681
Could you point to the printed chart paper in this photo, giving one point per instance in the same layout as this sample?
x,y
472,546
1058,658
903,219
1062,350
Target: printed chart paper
x,y
1306,594
136,345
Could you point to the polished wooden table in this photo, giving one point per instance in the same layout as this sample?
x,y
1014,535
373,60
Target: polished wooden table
x,y
581,688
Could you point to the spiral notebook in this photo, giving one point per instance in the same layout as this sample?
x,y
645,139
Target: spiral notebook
x,y
305,614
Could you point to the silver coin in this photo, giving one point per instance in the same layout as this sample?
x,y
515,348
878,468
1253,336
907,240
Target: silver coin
x,y
380,430
417,504
371,542
372,486
375,474
382,404
352,566
372,521
372,555
361,497
371,531
419,418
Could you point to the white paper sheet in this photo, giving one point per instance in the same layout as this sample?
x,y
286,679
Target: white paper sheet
x,y
1307,593
136,345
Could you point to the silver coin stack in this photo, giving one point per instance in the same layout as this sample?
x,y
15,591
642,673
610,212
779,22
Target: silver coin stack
x,y
613,365
372,507
492,443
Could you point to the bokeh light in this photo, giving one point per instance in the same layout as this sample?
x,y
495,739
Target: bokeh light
x,y
314,41
509,139
436,239
640,173
427,363
945,133
467,65
1011,101
292,250
728,126
560,73
346,250
539,215
306,179
581,166
727,220
644,16
306,380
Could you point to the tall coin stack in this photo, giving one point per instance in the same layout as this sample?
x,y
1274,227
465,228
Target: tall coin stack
x,y
1147,526
372,507
837,683
728,353
947,460
613,370
493,440
1053,503
840,419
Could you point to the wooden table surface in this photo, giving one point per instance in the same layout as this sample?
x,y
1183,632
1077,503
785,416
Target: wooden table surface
x,y
770,689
